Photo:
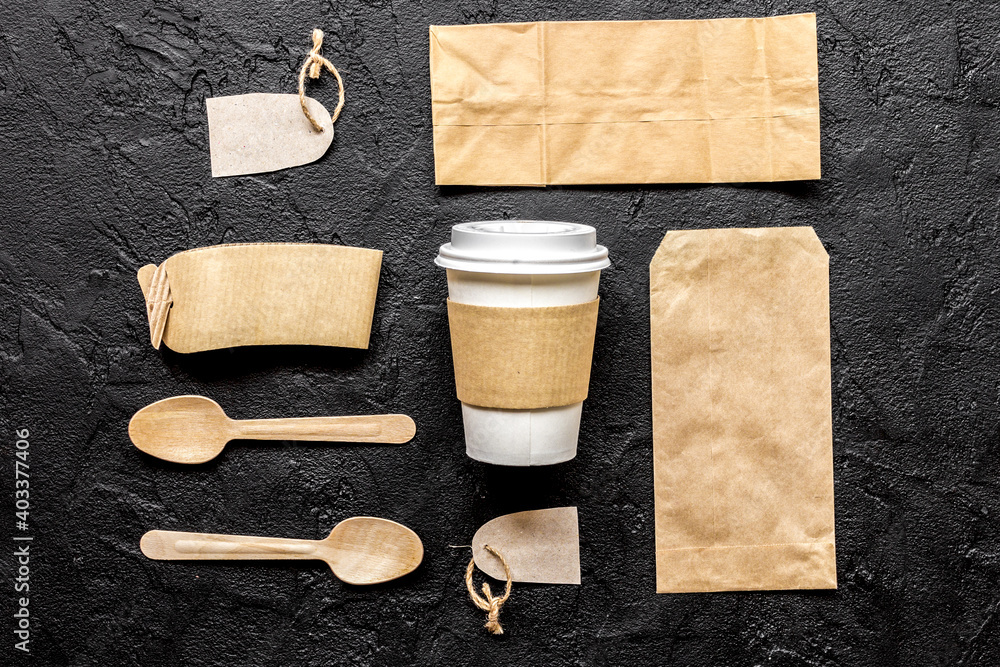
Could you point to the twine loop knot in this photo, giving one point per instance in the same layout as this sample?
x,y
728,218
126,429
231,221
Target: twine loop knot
x,y
488,602
313,66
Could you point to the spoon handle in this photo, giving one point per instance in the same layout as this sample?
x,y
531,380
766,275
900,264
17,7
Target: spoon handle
x,y
390,429
170,545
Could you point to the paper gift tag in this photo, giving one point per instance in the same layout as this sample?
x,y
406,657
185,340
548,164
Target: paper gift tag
x,y
260,132
742,426
540,546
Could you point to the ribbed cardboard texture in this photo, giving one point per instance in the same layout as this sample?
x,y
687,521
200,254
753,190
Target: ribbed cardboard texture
x,y
522,358
589,102
742,427
269,294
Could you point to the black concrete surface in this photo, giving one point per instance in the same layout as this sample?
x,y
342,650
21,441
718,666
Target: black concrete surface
x,y
104,167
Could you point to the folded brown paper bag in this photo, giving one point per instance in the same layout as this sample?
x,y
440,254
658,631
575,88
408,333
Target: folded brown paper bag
x,y
586,102
742,430
240,294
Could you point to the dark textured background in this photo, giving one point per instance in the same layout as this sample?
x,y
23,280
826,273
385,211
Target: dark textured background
x,y
105,167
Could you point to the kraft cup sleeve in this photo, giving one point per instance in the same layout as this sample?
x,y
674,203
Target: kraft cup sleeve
x,y
263,294
606,102
742,426
522,358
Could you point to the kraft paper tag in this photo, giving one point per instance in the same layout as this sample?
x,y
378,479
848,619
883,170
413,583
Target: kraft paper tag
x,y
540,546
260,132
522,358
264,294
742,427
592,102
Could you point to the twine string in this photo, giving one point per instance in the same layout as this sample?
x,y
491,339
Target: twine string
x,y
313,66
487,601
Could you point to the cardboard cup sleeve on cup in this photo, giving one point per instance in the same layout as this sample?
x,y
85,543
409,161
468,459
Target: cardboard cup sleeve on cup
x,y
522,311
234,295
522,358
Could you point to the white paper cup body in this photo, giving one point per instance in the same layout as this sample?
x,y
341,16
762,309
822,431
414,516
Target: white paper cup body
x,y
524,437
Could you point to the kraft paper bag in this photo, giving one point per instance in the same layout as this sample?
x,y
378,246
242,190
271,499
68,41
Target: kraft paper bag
x,y
742,428
604,102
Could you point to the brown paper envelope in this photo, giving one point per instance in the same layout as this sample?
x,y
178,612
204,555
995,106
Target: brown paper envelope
x,y
742,427
588,102
540,546
269,294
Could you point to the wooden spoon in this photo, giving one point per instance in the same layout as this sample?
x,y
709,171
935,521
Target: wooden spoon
x,y
360,550
195,429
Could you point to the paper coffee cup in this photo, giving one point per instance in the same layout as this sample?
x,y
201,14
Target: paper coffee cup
x,y
522,264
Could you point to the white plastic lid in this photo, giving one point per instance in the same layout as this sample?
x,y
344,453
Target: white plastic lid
x,y
523,247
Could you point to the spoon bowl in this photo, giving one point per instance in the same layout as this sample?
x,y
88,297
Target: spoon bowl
x,y
368,550
361,550
182,429
195,429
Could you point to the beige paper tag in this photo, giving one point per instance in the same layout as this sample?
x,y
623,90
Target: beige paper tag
x,y
742,426
522,358
591,102
540,546
259,132
267,294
